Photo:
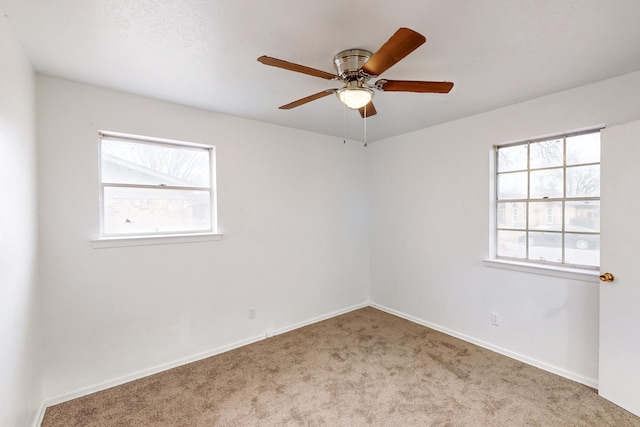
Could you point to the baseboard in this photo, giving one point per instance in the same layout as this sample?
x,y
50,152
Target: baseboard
x,y
194,358
591,382
319,319
180,362
151,371
37,422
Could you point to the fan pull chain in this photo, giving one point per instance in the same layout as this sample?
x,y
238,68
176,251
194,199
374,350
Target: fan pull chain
x,y
365,125
344,124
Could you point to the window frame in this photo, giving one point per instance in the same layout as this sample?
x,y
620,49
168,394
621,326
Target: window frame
x,y
149,238
553,268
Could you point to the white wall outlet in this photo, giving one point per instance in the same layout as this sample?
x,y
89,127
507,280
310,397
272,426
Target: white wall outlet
x,y
252,313
495,319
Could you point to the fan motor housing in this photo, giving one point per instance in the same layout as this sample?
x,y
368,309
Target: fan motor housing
x,y
349,62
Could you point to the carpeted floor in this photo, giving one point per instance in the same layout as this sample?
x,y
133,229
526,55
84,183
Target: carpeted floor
x,y
364,368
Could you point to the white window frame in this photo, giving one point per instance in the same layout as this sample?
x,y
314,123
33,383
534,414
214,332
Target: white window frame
x,y
138,239
584,273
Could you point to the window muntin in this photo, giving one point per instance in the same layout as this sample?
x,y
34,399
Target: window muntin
x,y
154,186
548,200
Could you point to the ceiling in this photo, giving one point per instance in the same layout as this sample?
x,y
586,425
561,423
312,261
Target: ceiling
x,y
203,53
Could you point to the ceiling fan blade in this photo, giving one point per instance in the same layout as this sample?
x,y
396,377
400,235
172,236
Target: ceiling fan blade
x,y
402,43
368,109
413,86
274,62
309,98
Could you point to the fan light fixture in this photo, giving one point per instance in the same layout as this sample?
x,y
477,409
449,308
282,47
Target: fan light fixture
x,y
355,97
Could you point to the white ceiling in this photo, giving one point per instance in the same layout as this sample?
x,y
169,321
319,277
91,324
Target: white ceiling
x,y
203,52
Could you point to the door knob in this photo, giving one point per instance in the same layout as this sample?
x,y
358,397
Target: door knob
x,y
606,277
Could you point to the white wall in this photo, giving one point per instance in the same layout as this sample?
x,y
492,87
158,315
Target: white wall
x,y
430,232
293,206
20,320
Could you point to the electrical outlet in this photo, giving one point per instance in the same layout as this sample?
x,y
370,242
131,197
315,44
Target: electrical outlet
x,y
495,319
252,313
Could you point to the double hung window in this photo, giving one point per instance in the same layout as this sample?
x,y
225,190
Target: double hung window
x,y
548,200
153,186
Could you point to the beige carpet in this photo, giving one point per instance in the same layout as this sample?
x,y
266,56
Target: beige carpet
x,y
364,368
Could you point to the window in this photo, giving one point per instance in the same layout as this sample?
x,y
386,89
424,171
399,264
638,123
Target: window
x,y
153,187
552,188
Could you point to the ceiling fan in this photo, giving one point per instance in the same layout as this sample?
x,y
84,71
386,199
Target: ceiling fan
x,y
355,67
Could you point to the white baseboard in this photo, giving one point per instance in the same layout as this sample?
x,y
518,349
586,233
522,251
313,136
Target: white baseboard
x,y
150,371
194,358
180,362
37,422
321,318
591,382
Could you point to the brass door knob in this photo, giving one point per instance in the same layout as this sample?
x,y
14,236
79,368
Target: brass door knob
x,y
606,277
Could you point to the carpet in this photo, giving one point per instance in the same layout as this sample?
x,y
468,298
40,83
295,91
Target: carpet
x,y
363,368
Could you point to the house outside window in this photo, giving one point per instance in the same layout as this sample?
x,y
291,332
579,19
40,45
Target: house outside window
x,y
550,215
554,184
152,186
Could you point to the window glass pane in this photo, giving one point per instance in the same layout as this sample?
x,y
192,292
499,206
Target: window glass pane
x,y
512,158
582,249
582,241
583,181
583,149
546,184
511,244
127,162
546,154
512,215
558,182
545,216
512,185
582,216
545,246
144,210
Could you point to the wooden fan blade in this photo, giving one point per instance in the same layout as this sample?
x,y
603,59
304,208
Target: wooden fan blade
x,y
402,43
309,98
368,109
413,86
274,62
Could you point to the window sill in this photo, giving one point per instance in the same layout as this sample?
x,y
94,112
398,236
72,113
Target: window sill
x,y
546,270
115,242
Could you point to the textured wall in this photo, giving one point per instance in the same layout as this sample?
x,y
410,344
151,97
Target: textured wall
x,y
293,207
430,232
20,323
